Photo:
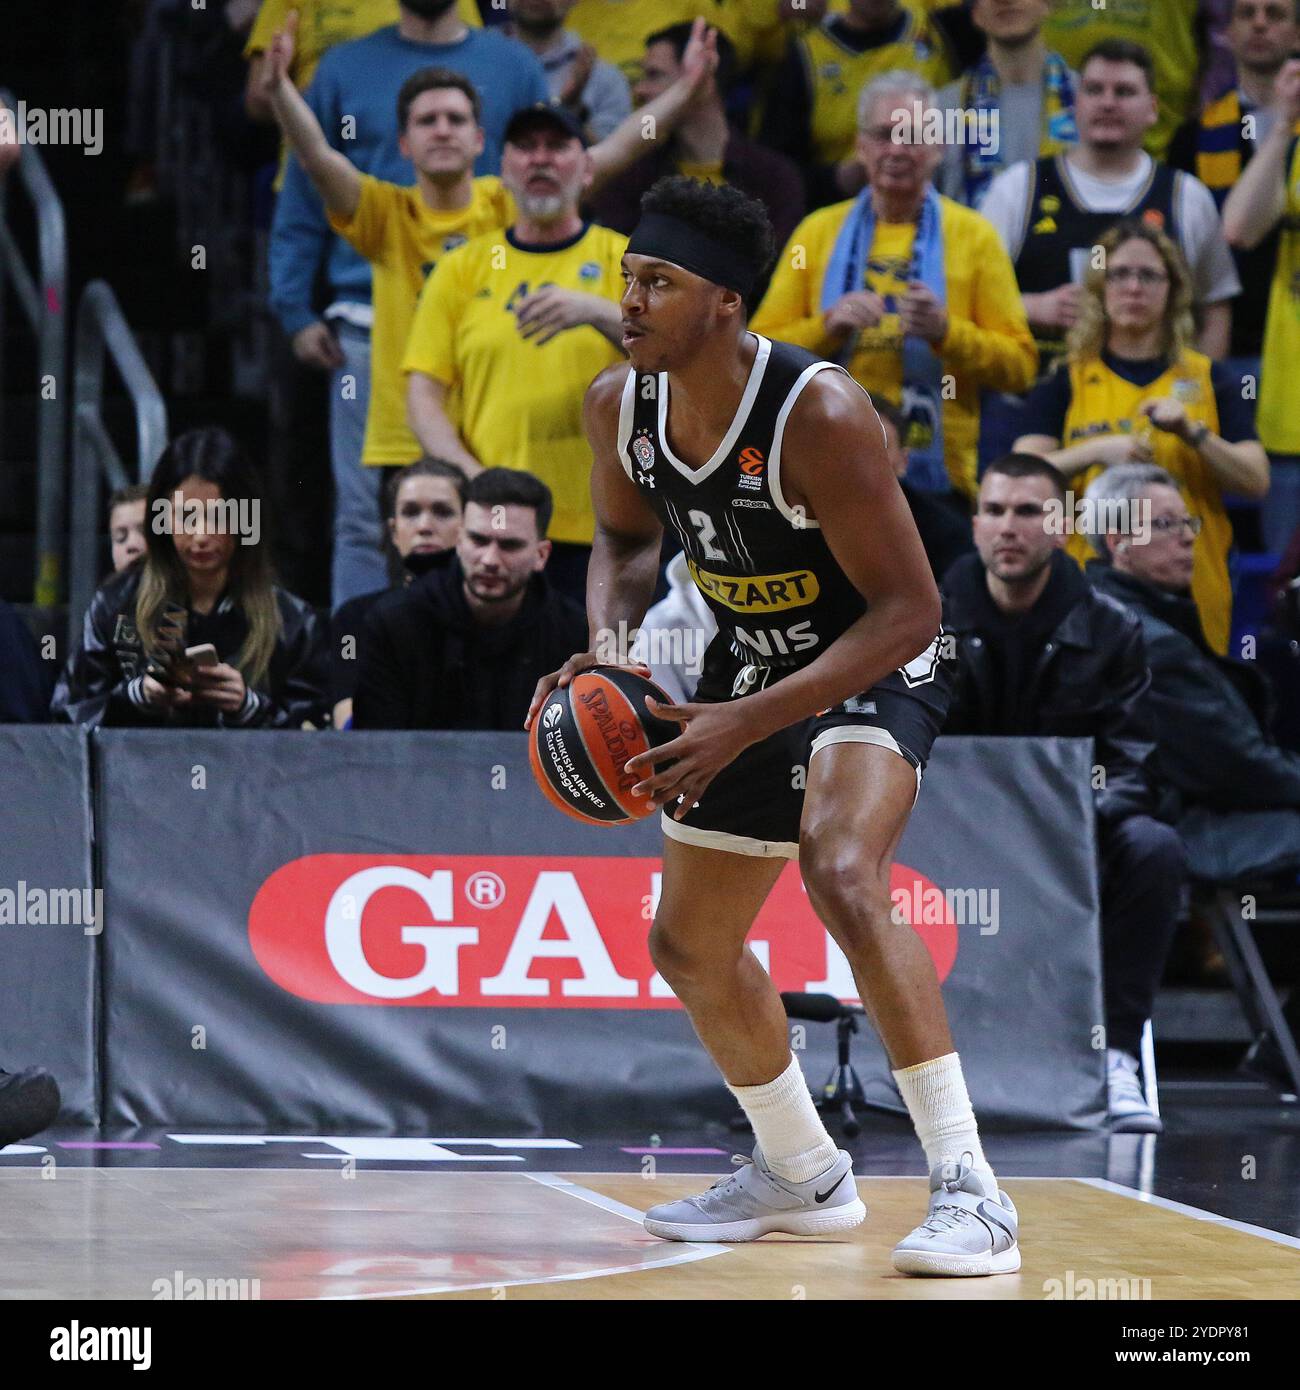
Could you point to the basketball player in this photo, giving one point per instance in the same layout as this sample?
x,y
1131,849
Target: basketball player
x,y
826,673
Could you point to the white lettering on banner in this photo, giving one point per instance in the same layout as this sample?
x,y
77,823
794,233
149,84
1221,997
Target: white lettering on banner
x,y
558,892
441,944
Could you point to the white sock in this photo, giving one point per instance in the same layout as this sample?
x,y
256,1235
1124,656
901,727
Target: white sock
x,y
787,1126
936,1099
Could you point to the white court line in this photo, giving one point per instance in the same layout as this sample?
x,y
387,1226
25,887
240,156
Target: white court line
x,y
691,1251
1196,1213
561,1183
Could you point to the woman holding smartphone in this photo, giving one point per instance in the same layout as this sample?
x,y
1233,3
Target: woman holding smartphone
x,y
198,634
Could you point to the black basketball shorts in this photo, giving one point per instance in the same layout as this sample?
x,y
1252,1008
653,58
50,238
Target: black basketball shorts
x,y
754,805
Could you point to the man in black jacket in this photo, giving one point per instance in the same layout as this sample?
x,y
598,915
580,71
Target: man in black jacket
x,y
464,647
1240,790
1040,653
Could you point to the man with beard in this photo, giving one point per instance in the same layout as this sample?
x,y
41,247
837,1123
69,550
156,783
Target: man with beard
x,y
594,90
512,326
464,646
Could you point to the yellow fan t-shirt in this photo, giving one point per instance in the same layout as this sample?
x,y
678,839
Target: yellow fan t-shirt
x,y
403,239
520,404
1277,417
1103,402
618,29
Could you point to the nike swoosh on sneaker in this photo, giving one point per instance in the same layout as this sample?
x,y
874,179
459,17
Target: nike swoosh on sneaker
x,y
997,1217
822,1196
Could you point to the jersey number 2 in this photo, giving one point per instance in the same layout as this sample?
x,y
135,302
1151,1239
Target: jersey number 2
x,y
706,530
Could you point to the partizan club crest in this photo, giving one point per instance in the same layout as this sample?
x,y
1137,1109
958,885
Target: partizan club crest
x,y
644,451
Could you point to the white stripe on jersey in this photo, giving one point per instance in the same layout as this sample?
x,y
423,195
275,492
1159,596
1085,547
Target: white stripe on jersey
x,y
741,549
774,457
684,533
626,412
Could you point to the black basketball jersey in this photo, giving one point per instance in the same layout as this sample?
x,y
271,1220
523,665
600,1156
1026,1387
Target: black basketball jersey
x,y
763,567
1056,223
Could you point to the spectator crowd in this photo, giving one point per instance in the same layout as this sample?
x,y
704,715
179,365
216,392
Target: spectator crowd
x,y
1059,245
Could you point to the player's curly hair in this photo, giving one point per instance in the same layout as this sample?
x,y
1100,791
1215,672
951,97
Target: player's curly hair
x,y
721,212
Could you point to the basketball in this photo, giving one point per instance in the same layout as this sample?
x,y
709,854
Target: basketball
x,y
583,736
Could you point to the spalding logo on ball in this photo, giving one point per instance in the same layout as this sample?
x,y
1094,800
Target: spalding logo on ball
x,y
586,734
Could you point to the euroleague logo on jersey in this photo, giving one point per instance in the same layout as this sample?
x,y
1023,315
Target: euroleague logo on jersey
x,y
752,467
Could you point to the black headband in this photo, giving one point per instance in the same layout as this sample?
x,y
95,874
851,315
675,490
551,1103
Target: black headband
x,y
668,238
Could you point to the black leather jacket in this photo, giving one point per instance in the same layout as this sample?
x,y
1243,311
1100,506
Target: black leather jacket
x,y
1213,713
1087,680
101,684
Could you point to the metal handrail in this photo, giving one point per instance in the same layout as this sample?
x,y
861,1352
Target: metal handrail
x,y
102,329
43,299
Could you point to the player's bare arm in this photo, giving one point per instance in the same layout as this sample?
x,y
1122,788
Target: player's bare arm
x,y
333,174
625,551
839,476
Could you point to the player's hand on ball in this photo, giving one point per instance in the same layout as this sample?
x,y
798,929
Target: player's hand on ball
x,y
583,661
714,736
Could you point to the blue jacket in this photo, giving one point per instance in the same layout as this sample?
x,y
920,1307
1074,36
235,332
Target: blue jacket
x,y
357,84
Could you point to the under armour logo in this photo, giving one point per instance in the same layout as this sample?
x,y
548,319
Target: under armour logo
x,y
645,479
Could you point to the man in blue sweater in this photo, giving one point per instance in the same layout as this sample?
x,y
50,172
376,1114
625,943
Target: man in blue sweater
x,y
353,96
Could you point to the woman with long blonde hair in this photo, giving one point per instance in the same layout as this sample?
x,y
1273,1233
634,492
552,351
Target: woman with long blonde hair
x,y
196,632
1134,390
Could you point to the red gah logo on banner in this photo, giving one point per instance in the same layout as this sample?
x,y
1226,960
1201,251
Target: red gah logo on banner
x,y
522,931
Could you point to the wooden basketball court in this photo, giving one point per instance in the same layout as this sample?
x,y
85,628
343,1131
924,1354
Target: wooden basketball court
x,y
138,1233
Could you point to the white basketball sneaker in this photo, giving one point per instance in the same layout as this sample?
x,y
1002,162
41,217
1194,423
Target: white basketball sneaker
x,y
753,1201
1128,1110
969,1231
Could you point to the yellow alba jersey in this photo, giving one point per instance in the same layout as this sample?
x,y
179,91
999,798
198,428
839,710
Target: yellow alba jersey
x,y
760,34
988,345
324,23
403,240
1102,402
521,404
1165,28
836,76
1277,418
618,29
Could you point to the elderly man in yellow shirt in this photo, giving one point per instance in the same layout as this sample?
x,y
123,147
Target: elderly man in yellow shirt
x,y
512,327
911,292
